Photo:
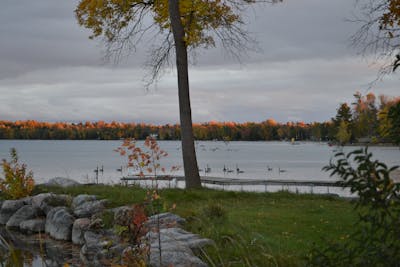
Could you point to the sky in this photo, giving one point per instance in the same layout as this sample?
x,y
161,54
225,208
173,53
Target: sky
x,y
303,68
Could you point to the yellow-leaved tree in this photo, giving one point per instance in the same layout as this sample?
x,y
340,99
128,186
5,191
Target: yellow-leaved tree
x,y
179,25
17,181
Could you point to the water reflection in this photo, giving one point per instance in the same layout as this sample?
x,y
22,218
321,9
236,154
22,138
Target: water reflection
x,y
35,251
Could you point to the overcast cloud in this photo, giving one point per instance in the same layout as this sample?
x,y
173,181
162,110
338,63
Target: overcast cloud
x,y
51,71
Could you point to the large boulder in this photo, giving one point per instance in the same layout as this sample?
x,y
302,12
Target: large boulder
x,y
33,225
101,248
8,208
91,248
179,235
164,220
170,256
62,181
87,209
26,212
47,201
79,228
176,248
80,199
59,223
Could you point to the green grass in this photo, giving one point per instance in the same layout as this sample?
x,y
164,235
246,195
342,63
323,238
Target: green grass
x,y
250,229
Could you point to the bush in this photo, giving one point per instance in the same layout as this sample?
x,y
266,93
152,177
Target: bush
x,y
375,240
17,181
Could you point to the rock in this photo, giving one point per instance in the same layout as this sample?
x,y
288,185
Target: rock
x,y
167,220
100,249
80,199
37,200
59,223
27,200
87,209
26,212
176,248
78,230
185,238
96,224
33,225
176,258
47,201
91,248
62,181
123,215
8,208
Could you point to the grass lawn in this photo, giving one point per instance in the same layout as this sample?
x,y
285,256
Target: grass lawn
x,y
250,229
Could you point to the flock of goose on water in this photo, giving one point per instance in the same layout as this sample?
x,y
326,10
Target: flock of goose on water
x,y
225,170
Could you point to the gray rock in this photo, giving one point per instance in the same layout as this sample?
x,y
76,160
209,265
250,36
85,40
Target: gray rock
x,y
87,209
176,258
78,230
179,235
26,212
47,201
27,200
59,223
176,248
101,247
123,215
62,181
33,226
91,248
37,200
167,220
8,208
80,199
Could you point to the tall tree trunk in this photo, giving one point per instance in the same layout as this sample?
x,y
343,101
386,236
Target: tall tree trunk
x,y
192,177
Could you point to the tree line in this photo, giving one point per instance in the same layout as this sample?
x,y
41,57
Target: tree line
x,y
227,131
367,119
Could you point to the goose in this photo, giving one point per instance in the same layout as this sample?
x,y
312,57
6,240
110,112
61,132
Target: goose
x,y
238,170
208,169
282,170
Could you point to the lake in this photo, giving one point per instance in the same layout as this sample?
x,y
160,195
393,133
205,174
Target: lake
x,y
78,159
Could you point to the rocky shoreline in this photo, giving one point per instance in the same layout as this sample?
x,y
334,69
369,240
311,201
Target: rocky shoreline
x,y
79,221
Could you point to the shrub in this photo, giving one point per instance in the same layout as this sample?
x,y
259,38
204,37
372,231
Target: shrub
x,y
17,181
375,240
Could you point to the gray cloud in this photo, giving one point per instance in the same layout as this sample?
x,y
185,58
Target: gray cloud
x,y
49,70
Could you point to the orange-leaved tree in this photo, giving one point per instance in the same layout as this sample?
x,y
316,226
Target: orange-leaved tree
x,y
179,25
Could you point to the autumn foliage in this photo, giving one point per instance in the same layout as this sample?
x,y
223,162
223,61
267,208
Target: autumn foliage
x,y
227,131
143,160
367,116
17,181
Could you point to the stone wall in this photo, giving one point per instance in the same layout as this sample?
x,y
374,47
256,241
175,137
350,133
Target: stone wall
x,y
78,220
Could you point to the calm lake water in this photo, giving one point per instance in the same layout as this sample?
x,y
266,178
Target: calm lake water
x,y
78,159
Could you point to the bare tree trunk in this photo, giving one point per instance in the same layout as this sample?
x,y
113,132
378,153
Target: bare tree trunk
x,y
192,177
